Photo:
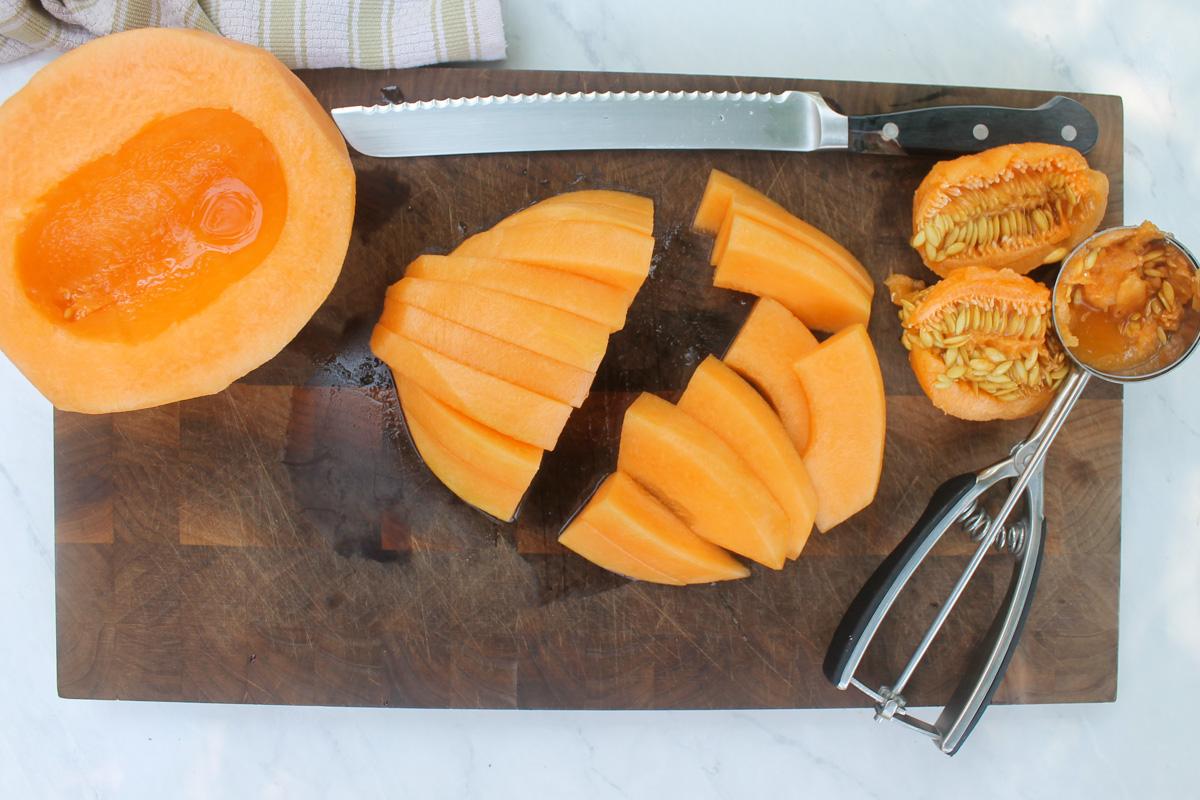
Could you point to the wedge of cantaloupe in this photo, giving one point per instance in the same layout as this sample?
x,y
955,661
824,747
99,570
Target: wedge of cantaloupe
x,y
762,249
769,342
598,205
492,346
731,408
534,326
761,260
848,414
505,407
695,473
623,528
471,459
713,218
499,357
601,250
589,298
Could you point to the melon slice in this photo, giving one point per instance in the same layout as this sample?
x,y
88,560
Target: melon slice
x,y
770,341
762,261
848,410
630,518
599,302
607,253
634,203
505,360
613,208
731,408
524,415
535,326
699,477
712,218
489,470
601,549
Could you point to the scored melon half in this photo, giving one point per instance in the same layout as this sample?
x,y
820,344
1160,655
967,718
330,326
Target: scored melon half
x,y
174,207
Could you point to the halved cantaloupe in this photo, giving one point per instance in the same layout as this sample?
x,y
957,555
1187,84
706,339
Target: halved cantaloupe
x,y
770,341
732,409
593,205
698,476
599,302
535,326
505,407
628,517
844,456
762,261
168,246
607,253
505,360
712,218
473,460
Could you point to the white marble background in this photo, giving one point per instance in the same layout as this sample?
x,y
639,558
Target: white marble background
x,y
1143,745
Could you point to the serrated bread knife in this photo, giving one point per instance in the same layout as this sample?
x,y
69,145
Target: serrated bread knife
x,y
790,121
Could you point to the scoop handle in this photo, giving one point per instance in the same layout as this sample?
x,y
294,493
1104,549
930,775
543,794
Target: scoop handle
x,y
975,691
875,598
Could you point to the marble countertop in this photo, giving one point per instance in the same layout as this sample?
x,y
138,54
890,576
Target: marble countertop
x,y
1143,744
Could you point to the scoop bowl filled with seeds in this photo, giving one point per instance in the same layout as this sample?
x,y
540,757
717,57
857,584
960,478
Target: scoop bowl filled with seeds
x,y
1127,303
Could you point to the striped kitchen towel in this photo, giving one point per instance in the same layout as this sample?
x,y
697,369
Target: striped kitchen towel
x,y
303,34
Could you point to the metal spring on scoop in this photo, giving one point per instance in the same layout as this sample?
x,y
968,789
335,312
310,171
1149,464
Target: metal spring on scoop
x,y
1011,537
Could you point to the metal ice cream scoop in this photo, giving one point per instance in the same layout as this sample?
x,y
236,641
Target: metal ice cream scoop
x,y
958,501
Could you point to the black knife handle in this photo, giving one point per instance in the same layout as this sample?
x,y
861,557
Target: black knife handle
x,y
864,612
955,130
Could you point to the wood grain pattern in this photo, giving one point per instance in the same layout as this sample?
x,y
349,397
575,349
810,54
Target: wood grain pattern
x,y
281,542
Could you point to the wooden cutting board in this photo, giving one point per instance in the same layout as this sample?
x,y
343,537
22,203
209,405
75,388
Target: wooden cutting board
x,y
281,542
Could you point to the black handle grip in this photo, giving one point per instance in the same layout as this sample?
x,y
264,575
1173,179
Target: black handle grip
x,y
913,547
949,130
966,687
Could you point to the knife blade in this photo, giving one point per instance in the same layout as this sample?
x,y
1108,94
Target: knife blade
x,y
786,121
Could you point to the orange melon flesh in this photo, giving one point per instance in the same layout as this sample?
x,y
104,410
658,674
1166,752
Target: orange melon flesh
x,y
550,331
732,409
629,517
699,477
713,215
591,299
846,401
487,469
607,253
762,261
633,203
603,551
770,341
162,249
524,415
507,361
92,257
613,208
